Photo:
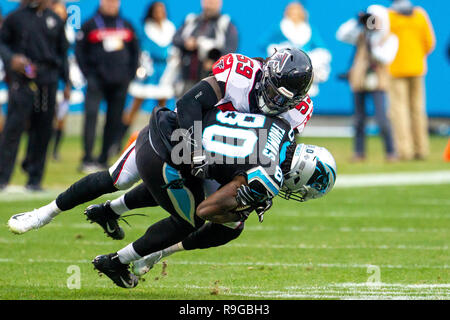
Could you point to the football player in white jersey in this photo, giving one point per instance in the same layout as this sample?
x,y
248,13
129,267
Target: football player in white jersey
x,y
276,86
270,87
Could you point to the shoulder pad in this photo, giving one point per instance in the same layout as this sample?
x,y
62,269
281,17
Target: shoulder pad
x,y
223,64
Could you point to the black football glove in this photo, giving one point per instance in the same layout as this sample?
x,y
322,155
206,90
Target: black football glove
x,y
246,196
259,202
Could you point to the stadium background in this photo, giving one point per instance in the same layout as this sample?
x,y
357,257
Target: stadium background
x,y
253,18
394,217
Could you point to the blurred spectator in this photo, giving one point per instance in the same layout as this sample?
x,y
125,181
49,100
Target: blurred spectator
x,y
296,31
376,47
157,71
107,52
62,103
3,89
408,115
203,39
3,93
34,49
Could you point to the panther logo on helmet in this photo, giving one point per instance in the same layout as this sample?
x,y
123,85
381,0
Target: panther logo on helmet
x,y
312,174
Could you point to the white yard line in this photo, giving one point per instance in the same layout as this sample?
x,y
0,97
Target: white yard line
x,y
322,228
325,246
17,193
319,265
332,291
15,240
392,179
250,264
268,227
375,285
362,214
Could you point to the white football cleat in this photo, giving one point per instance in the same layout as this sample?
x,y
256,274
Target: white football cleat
x,y
145,264
23,222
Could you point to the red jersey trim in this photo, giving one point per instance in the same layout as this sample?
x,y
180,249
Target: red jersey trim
x,y
99,35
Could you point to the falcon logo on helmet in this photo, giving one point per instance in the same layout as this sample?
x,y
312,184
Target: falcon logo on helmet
x,y
287,78
312,174
279,62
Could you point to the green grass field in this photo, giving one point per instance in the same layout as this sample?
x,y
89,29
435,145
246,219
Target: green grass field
x,y
398,236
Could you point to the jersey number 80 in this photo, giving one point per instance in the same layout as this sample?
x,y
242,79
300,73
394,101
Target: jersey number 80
x,y
221,139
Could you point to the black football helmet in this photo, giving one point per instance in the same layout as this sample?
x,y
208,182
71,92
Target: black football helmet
x,y
287,78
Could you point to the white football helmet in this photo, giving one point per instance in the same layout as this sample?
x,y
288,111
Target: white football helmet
x,y
312,174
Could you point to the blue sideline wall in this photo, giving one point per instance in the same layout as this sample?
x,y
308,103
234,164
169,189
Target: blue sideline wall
x,y
254,18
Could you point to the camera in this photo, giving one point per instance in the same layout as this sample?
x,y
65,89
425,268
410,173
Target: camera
x,y
367,20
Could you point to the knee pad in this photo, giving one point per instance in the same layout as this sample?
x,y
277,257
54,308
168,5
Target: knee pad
x,y
124,172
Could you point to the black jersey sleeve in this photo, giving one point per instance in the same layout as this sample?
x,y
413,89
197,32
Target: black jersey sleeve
x,y
194,103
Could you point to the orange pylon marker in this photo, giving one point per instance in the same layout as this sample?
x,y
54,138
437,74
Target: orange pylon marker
x,y
132,139
447,152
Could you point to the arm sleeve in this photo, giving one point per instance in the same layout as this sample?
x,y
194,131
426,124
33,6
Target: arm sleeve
x,y
195,102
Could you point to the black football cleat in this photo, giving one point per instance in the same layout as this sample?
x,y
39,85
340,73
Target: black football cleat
x,y
106,218
118,272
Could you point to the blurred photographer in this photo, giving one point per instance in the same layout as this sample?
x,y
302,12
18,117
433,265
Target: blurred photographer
x,y
33,47
376,47
408,115
202,39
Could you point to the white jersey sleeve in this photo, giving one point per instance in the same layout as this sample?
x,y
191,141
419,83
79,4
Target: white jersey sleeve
x,y
238,72
300,115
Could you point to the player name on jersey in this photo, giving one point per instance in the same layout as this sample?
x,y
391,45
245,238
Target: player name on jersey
x,y
273,142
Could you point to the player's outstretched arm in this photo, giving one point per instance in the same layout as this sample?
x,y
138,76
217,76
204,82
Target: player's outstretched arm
x,y
220,206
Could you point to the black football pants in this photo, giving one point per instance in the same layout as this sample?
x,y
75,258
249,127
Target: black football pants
x,y
180,201
115,96
29,106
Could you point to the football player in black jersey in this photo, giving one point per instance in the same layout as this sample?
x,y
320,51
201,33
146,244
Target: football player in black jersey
x,y
248,155
254,150
284,82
